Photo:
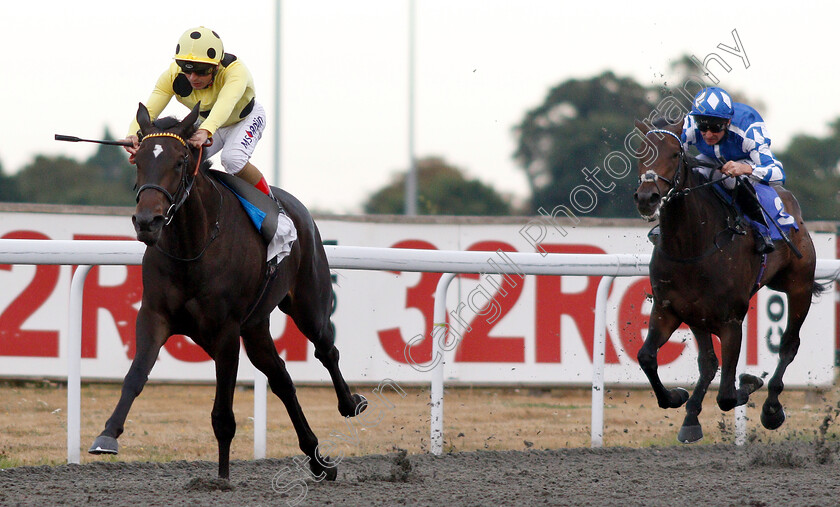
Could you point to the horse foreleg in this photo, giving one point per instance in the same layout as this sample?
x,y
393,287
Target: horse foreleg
x,y
226,356
152,331
662,325
707,362
730,345
262,353
772,413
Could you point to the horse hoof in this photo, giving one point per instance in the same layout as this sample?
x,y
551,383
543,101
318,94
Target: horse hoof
x,y
361,403
104,445
690,434
772,421
678,396
750,382
322,472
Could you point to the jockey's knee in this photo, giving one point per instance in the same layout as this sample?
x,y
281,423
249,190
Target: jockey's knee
x,y
233,161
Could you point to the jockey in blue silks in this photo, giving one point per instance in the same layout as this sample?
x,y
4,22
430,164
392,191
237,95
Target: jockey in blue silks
x,y
732,137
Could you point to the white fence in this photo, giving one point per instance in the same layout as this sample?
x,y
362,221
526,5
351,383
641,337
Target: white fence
x,y
87,253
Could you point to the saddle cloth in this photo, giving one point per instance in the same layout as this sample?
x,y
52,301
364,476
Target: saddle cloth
x,y
275,227
772,204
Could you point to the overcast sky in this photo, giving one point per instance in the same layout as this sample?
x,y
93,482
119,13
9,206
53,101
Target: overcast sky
x,y
77,67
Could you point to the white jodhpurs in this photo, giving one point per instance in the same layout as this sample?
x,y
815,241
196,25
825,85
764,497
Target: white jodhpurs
x,y
237,141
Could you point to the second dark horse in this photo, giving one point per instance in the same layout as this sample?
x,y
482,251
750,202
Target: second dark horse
x,y
704,273
204,276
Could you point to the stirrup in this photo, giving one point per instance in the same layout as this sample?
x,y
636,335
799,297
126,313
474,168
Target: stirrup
x,y
763,243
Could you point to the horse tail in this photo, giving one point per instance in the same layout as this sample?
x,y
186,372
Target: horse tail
x,y
818,289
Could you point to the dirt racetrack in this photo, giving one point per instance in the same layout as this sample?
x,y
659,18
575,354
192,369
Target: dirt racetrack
x,y
503,447
787,473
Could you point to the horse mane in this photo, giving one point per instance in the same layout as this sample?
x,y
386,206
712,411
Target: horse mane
x,y
661,122
169,122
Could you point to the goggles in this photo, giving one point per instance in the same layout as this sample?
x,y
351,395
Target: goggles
x,y
202,69
712,126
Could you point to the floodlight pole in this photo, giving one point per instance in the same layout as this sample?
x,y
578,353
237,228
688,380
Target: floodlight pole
x,y
277,123
411,177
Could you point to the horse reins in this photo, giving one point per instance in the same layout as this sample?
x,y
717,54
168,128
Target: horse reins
x,y
672,193
186,186
651,175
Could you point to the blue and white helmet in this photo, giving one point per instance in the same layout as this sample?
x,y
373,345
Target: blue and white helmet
x,y
713,101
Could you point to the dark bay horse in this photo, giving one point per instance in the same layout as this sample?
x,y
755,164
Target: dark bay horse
x,y
704,272
205,276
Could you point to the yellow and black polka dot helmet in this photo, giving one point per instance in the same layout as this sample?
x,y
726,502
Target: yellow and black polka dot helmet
x,y
200,45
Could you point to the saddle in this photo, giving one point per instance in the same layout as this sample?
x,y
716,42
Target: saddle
x,y
268,216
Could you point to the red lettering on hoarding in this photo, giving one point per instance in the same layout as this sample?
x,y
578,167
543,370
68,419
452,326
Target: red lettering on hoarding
x,y
477,345
633,325
422,297
292,342
552,303
183,349
14,340
118,300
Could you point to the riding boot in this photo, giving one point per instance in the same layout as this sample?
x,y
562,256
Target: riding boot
x,y
252,175
747,199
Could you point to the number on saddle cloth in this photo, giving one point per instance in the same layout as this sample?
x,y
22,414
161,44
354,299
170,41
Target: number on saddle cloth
x,y
771,203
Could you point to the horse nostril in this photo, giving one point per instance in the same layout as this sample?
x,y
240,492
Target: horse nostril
x,y
147,222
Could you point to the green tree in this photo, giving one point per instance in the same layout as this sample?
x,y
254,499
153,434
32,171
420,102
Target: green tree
x,y
115,174
441,190
105,179
8,187
812,168
580,122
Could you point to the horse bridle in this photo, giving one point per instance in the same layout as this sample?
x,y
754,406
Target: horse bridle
x,y
184,186
652,176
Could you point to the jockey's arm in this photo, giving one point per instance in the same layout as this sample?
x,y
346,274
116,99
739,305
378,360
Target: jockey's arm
x,y
763,165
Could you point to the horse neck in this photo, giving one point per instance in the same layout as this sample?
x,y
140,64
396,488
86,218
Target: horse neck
x,y
193,224
689,223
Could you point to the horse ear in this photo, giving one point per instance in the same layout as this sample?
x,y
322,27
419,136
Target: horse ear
x,y
641,126
143,119
190,119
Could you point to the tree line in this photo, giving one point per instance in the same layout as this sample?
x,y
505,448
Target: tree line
x,y
560,145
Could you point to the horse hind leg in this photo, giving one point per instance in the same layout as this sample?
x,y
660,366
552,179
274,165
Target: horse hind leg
x,y
312,317
772,413
349,405
691,431
261,351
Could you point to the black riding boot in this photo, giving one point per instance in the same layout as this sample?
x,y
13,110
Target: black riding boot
x,y
747,199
